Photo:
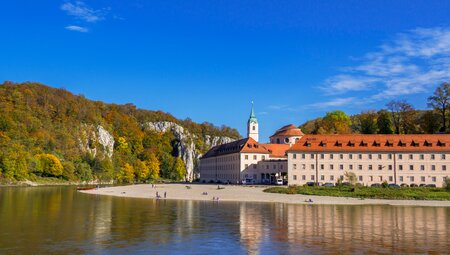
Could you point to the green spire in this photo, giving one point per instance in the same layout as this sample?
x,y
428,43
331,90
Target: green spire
x,y
252,115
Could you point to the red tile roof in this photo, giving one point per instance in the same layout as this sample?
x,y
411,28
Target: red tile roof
x,y
277,150
375,143
247,145
289,130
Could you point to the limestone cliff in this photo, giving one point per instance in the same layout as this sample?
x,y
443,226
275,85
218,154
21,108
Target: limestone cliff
x,y
186,147
96,140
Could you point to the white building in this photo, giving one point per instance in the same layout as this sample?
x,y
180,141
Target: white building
x,y
248,161
398,159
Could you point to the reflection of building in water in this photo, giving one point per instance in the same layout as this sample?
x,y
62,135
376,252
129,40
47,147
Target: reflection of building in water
x,y
395,229
251,227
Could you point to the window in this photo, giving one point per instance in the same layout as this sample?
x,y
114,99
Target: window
x,y
267,167
350,156
341,177
303,166
400,156
432,156
371,178
303,177
411,178
322,166
390,167
411,167
370,156
401,178
421,156
322,177
312,156
286,140
331,156
359,156
443,156
444,168
331,167
331,177
433,167
254,128
294,177
380,156
370,167
422,168
360,178
341,167
391,178
433,179
359,167
312,166
255,157
389,156
254,166
322,156
294,156
246,156
381,178
400,167
341,156
312,177
264,157
350,167
380,167
411,156
274,167
294,166
422,178
303,156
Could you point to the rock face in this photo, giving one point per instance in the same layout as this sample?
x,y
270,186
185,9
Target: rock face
x,y
186,146
96,139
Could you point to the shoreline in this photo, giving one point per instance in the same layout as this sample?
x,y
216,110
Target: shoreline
x,y
231,193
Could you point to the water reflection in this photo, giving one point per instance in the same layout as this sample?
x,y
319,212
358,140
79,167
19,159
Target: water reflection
x,y
59,220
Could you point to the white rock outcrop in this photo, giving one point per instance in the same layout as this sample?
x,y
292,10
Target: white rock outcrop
x,y
186,146
91,137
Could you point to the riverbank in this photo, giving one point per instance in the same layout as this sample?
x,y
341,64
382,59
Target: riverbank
x,y
205,192
48,182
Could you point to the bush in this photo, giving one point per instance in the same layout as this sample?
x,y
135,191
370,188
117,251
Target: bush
x,y
447,184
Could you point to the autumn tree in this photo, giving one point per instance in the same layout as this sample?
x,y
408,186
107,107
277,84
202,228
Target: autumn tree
x,y
48,165
179,170
440,101
337,122
126,173
403,116
153,165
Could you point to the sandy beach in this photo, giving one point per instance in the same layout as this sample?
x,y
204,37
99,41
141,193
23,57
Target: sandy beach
x,y
203,192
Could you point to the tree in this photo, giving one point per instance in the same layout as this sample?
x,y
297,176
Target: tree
x,y
179,170
350,177
126,173
368,121
153,166
430,122
49,165
384,123
337,122
142,170
440,101
403,116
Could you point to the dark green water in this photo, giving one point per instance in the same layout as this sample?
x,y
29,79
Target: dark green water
x,y
59,220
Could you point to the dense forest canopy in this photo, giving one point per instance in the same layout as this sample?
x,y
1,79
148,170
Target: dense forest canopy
x,y
399,117
43,131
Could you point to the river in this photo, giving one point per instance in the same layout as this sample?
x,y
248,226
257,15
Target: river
x,y
60,220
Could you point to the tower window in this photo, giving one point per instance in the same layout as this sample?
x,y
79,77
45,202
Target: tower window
x,y
254,128
286,140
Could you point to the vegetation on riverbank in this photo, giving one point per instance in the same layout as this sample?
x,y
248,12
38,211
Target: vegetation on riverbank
x,y
415,193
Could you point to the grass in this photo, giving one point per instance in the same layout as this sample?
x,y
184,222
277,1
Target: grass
x,y
417,193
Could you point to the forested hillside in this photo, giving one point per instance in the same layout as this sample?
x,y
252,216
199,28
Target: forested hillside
x,y
399,117
48,132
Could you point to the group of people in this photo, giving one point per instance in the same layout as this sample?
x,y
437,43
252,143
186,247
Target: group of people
x,y
216,199
158,196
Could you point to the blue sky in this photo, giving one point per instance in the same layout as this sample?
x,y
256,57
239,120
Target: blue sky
x,y
208,60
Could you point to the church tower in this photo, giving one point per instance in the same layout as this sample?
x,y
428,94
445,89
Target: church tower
x,y
252,126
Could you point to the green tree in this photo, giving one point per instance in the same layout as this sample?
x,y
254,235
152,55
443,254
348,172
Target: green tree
x,y
440,101
384,123
337,122
350,177
368,121
179,170
83,171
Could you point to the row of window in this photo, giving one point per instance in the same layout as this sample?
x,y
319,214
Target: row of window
x,y
255,166
369,167
370,156
369,178
255,157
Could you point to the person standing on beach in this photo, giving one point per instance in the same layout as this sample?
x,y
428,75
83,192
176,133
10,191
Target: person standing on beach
x,y
165,194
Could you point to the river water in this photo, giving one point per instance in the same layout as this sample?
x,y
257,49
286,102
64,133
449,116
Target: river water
x,y
60,220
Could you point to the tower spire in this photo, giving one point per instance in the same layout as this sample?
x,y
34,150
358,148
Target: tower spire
x,y
252,125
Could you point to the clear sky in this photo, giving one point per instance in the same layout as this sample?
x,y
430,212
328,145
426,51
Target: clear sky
x,y
208,60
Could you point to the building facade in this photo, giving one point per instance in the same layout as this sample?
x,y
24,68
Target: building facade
x,y
247,160
398,159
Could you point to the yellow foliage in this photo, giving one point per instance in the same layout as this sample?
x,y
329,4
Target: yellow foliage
x,y
127,173
49,164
